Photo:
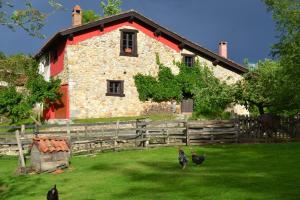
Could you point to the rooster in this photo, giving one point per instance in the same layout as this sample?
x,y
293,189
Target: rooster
x,y
52,194
198,159
182,158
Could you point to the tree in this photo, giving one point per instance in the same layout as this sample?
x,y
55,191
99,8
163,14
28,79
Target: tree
x,y
11,67
89,16
17,103
286,14
28,18
259,88
110,7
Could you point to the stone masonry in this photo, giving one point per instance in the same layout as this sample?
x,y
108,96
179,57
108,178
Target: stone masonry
x,y
90,63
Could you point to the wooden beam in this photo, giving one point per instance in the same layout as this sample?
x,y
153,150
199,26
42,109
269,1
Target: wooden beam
x,y
181,45
215,63
157,32
21,155
131,18
101,27
71,37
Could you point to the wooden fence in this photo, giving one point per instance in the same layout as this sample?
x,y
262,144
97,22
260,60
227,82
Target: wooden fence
x,y
251,129
132,134
89,138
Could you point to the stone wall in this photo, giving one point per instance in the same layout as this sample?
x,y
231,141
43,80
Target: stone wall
x,y
94,61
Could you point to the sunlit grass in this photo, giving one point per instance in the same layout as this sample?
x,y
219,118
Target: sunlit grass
x,y
256,171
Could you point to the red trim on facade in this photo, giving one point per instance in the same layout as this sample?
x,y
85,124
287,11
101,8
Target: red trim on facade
x,y
49,113
96,32
60,109
57,65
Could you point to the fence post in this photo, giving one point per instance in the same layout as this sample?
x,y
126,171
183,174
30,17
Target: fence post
x,y
187,133
68,130
85,136
140,128
137,131
146,137
117,129
85,130
36,129
77,135
116,135
237,125
168,139
21,155
22,130
69,136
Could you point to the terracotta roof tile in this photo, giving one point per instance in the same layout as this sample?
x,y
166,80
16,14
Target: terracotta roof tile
x,y
50,145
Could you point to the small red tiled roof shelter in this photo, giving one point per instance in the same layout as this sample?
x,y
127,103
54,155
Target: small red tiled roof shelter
x,y
49,153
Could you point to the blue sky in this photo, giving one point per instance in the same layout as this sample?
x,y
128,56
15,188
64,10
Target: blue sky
x,y
245,24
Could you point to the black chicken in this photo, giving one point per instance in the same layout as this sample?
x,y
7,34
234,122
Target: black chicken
x,y
52,194
182,159
197,159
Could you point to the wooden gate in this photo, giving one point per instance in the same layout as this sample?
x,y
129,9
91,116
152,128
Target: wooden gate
x,y
187,105
61,107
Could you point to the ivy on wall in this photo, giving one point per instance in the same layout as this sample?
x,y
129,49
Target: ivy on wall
x,y
211,96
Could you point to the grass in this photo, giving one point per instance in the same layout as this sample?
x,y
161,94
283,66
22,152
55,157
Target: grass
x,y
256,171
115,119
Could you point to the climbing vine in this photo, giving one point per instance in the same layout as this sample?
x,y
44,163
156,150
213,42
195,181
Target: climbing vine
x,y
211,96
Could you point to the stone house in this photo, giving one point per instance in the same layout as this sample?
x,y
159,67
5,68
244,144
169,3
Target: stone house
x,y
97,61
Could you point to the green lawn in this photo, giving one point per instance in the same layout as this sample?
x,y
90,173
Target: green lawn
x,y
256,171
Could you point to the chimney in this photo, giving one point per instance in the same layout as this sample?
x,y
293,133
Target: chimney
x,y
76,16
223,49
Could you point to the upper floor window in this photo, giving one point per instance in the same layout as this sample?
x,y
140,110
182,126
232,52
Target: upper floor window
x,y
115,88
188,60
128,42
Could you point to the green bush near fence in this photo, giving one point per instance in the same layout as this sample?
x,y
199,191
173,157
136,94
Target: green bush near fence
x,y
256,171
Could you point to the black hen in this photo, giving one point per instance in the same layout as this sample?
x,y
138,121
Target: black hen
x,y
182,159
52,194
197,159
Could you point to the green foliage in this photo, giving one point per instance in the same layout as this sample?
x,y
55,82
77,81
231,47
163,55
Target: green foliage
x,y
12,104
11,67
212,99
89,16
2,55
27,17
17,104
286,14
211,95
111,7
41,90
145,86
259,88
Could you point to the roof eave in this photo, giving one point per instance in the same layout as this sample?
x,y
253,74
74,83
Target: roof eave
x,y
64,33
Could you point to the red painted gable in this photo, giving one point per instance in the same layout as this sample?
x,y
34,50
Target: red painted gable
x,y
57,61
96,32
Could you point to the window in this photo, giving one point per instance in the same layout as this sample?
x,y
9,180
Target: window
x,y
128,42
115,88
188,60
